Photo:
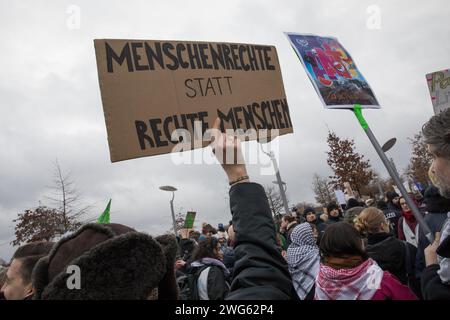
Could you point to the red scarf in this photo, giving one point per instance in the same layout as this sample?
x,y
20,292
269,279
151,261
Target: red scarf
x,y
409,216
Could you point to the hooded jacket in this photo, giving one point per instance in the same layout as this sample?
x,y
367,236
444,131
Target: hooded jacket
x,y
211,282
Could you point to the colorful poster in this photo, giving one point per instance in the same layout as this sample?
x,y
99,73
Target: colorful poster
x,y
333,72
439,86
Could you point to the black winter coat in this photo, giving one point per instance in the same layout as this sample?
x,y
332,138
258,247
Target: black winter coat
x,y
432,286
260,272
216,282
390,254
392,213
331,220
435,221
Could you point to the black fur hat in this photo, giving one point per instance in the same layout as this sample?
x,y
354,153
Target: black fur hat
x,y
115,262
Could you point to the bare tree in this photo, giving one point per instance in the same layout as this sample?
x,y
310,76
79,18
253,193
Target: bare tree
x,y
347,165
179,221
275,201
322,189
66,199
420,160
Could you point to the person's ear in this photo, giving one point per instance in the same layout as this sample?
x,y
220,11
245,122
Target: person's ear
x,y
29,290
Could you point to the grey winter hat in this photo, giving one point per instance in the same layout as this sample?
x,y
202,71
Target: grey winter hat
x,y
115,263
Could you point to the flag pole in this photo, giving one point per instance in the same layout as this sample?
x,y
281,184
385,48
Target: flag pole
x,y
423,225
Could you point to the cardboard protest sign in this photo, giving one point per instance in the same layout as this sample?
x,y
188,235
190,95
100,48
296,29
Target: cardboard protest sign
x,y
333,72
340,196
439,86
151,88
348,190
189,221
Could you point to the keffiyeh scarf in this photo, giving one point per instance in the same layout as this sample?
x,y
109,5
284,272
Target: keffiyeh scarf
x,y
303,259
358,283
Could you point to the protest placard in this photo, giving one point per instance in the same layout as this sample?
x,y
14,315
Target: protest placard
x,y
340,196
332,72
340,85
189,221
439,86
151,88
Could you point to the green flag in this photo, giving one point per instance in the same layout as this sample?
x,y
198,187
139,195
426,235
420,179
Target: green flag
x,y
104,217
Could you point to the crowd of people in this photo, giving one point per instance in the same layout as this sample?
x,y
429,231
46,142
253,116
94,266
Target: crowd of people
x,y
372,250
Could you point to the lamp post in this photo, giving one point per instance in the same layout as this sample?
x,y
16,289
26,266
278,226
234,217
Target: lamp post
x,y
171,189
279,181
388,146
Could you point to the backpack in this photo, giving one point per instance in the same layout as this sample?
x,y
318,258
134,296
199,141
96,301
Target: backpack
x,y
187,284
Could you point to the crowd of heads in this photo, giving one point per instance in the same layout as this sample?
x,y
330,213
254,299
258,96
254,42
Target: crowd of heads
x,y
341,251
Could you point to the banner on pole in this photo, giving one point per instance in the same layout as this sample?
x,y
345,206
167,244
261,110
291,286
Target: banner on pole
x,y
439,86
332,71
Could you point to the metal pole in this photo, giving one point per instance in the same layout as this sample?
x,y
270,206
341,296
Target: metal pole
x,y
280,182
394,167
173,214
393,173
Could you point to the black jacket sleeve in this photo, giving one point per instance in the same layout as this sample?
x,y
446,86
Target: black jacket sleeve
x,y
260,272
432,286
217,284
422,243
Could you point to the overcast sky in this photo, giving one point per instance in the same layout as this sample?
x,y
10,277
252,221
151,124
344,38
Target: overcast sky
x,y
51,106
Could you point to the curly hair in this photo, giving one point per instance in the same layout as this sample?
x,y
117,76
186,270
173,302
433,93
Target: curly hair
x,y
436,132
369,221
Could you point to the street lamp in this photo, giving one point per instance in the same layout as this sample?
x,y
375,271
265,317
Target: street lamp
x,y
386,147
282,182
278,176
171,189
389,144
